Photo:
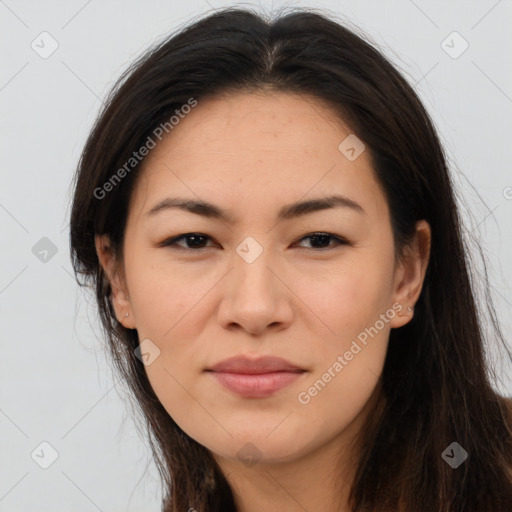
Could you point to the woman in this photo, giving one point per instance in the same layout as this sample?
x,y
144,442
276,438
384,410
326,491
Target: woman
x,y
265,211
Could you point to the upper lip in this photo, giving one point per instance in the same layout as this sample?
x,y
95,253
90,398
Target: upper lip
x,y
260,365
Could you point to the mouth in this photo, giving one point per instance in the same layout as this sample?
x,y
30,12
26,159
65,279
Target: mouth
x,y
255,378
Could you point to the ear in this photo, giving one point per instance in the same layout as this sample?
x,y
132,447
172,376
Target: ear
x,y
410,273
119,297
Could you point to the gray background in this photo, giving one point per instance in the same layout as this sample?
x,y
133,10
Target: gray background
x,y
56,385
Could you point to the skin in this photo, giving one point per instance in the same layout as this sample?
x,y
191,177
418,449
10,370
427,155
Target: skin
x,y
252,153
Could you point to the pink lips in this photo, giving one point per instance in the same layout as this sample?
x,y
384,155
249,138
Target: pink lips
x,y
255,378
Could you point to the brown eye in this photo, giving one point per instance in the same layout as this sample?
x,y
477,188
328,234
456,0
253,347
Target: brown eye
x,y
193,241
321,240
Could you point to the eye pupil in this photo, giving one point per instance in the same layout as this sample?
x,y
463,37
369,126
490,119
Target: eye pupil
x,y
196,238
322,237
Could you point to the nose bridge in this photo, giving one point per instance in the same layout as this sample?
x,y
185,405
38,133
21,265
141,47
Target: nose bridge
x,y
253,257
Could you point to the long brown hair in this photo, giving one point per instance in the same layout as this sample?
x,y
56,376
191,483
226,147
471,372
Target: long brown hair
x,y
435,388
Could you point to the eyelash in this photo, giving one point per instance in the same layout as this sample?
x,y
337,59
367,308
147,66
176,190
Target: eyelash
x,y
172,242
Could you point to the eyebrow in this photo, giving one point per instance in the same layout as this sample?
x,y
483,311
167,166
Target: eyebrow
x,y
289,211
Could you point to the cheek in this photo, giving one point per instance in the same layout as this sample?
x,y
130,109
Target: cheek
x,y
169,306
355,307
351,299
350,357
165,296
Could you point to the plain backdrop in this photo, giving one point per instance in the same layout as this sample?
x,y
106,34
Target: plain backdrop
x,y
56,386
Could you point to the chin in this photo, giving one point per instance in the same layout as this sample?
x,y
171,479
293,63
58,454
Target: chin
x,y
261,448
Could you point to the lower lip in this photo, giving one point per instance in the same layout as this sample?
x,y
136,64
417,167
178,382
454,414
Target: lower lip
x,y
256,385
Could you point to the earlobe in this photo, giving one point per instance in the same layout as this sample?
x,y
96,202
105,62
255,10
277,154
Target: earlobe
x,y
404,314
119,298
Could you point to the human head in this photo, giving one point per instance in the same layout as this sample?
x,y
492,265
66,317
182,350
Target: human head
x,y
327,74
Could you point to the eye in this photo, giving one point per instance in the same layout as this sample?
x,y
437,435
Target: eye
x,y
322,239
196,241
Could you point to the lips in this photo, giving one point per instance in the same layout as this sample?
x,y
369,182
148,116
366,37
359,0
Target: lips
x,y
255,378
245,365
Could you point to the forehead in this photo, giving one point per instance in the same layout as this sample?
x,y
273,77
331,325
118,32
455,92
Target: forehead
x,y
262,122
270,146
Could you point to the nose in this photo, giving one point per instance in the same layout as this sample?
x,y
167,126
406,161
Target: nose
x,y
255,297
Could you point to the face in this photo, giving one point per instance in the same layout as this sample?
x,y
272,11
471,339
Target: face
x,y
317,286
